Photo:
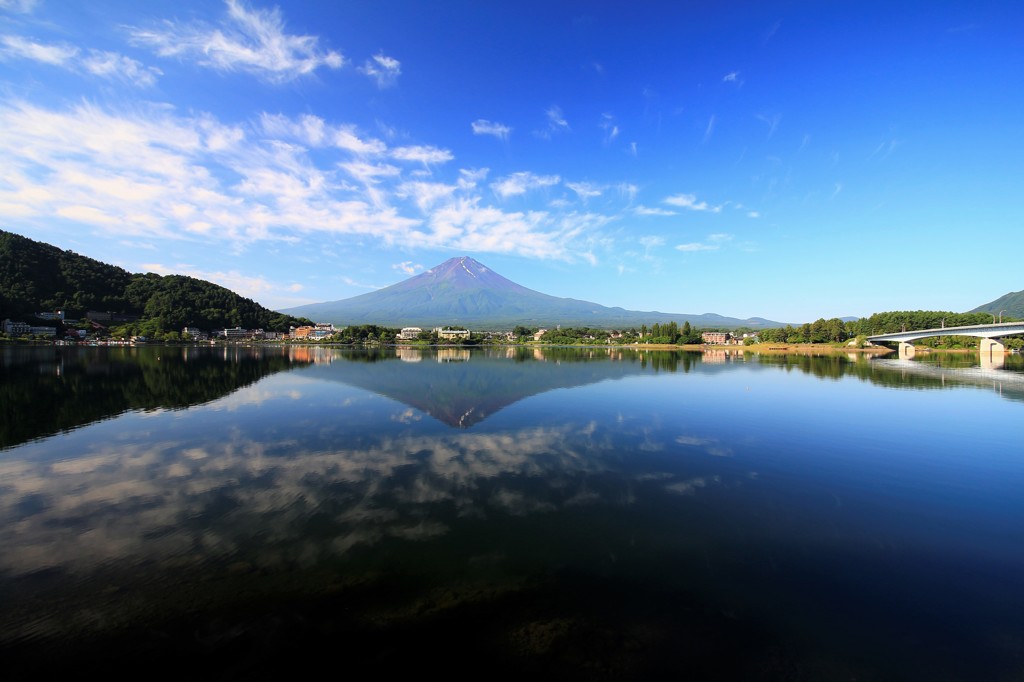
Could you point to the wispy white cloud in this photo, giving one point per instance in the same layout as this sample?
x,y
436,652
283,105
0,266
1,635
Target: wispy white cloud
x,y
651,242
522,182
484,127
697,246
753,214
712,243
689,202
734,77
109,65
556,123
19,6
19,47
249,40
470,178
359,285
347,138
307,129
770,120
884,149
117,66
131,244
425,194
407,267
371,173
710,129
610,128
585,190
466,225
425,154
152,175
645,210
555,117
383,69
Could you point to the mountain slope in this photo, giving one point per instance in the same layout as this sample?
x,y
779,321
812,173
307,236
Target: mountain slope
x,y
462,291
1010,305
37,277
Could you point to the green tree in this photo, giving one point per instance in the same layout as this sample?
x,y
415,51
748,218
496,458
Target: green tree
x,y
836,330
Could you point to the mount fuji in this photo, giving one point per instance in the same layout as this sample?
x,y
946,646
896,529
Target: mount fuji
x,y
462,291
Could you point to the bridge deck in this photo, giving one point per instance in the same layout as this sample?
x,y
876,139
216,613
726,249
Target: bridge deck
x,y
982,331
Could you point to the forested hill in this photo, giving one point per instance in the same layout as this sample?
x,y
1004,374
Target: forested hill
x,y
906,320
37,277
1011,304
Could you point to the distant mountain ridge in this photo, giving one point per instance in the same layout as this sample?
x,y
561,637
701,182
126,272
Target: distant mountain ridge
x,y
462,291
1010,305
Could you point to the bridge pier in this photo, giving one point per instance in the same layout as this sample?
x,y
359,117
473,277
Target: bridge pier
x,y
906,351
991,353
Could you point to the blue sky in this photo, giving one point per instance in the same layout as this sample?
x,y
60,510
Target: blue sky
x,y
786,160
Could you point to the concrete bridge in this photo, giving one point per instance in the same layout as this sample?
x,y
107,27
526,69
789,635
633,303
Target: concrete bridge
x,y
991,350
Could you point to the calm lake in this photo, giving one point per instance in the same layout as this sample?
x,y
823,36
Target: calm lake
x,y
580,514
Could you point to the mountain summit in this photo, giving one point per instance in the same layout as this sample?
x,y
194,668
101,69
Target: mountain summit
x,y
459,276
463,291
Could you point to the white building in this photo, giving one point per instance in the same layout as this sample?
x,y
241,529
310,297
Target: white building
x,y
16,328
452,333
409,333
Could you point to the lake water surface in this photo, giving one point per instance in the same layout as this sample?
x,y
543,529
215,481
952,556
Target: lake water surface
x,y
580,514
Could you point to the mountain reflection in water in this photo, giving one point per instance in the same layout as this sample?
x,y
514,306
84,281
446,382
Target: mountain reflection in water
x,y
46,390
443,383
577,513
49,390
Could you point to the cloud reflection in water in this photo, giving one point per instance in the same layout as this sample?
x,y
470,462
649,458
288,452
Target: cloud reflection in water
x,y
140,502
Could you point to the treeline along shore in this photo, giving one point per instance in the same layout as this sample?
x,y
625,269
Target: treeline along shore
x,y
48,294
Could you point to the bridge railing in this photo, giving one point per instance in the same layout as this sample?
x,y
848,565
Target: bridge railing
x,y
985,331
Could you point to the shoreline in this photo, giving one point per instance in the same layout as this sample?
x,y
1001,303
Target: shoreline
x,y
762,348
767,348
